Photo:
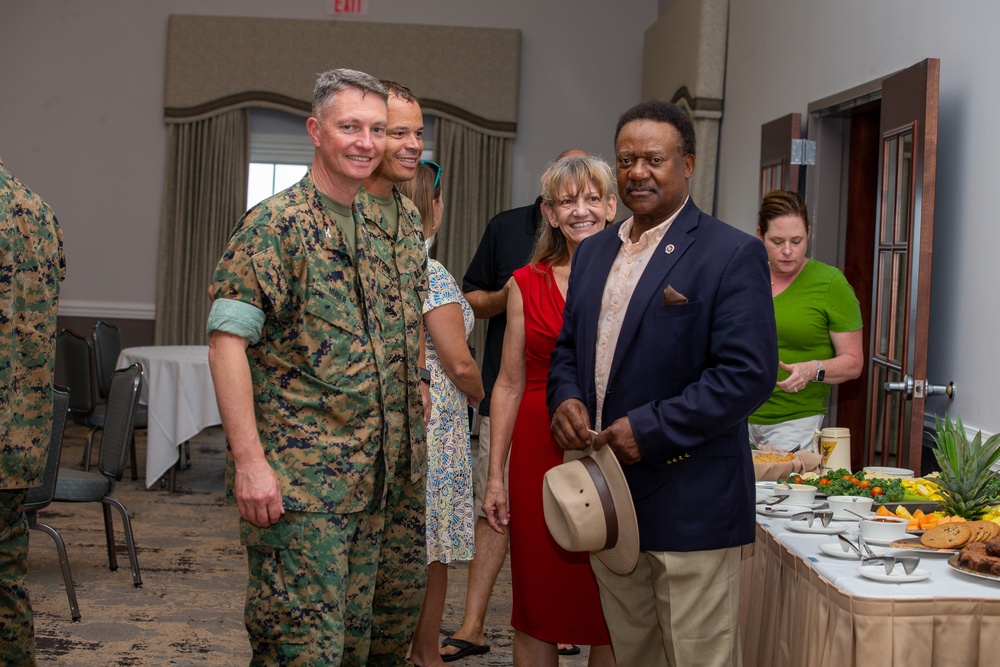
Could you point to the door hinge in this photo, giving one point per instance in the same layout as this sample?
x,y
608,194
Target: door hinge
x,y
803,152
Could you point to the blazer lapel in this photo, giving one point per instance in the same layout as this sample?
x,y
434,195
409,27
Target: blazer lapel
x,y
671,248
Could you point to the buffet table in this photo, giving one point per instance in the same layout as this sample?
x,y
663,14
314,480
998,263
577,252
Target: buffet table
x,y
178,390
801,607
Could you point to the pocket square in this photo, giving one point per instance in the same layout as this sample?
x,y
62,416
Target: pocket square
x,y
672,297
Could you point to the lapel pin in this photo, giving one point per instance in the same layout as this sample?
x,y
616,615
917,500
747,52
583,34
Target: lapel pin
x,y
669,249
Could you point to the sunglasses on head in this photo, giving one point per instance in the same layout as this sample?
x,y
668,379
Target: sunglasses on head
x,y
437,171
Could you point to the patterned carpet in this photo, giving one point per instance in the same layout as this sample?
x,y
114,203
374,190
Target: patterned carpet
x,y
189,610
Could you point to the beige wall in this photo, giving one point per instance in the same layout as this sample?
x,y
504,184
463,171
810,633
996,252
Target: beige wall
x,y
784,54
82,110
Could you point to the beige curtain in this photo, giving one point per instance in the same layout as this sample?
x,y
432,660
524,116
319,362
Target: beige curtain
x,y
204,196
475,186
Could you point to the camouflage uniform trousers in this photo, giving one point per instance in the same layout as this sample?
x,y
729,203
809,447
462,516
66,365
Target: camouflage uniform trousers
x,y
17,628
314,576
402,569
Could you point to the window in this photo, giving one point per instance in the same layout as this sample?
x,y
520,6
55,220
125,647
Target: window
x,y
281,151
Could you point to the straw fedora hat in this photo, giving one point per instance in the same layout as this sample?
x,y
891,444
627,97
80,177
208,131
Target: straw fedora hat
x,y
588,507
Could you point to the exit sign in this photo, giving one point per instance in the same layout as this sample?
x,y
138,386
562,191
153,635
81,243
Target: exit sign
x,y
352,7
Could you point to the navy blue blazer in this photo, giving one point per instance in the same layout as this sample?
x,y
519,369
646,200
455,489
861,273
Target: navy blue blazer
x,y
686,375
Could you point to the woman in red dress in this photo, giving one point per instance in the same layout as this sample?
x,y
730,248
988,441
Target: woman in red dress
x,y
555,595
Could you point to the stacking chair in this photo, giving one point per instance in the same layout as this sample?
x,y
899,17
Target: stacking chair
x,y
75,362
39,497
107,346
79,486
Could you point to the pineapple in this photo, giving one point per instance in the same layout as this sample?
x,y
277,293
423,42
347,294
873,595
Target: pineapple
x,y
965,468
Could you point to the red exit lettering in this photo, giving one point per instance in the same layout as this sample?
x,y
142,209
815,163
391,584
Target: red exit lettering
x,y
349,6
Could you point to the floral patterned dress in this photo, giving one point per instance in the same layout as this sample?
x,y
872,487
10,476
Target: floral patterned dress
x,y
450,514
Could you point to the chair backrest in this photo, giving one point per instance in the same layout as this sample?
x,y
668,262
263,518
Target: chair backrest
x,y
119,420
74,364
107,346
41,496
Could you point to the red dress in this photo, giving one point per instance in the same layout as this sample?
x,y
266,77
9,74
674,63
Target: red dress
x,y
555,595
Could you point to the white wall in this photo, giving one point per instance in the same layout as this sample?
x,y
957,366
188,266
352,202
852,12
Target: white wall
x,y
784,54
81,108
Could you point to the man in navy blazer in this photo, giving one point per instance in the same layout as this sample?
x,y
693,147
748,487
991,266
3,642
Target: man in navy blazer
x,y
668,344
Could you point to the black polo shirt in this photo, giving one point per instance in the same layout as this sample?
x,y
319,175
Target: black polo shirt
x,y
505,247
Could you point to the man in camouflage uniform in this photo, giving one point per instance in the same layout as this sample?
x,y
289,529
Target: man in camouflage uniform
x,y
31,267
303,366
398,238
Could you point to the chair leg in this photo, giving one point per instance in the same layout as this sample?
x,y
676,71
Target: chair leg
x,y
109,537
87,448
74,608
129,537
135,466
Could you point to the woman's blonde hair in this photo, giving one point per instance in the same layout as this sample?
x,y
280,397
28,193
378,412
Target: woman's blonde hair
x,y
568,176
421,191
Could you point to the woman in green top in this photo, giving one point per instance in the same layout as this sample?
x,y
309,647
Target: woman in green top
x,y
819,327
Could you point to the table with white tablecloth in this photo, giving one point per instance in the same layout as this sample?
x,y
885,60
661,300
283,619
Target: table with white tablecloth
x,y
179,394
802,607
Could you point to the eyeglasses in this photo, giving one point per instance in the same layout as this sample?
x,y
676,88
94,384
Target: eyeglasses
x,y
437,171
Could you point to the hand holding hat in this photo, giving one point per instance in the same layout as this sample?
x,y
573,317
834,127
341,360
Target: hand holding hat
x,y
588,507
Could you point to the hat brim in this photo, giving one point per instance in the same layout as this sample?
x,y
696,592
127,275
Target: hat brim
x,y
623,556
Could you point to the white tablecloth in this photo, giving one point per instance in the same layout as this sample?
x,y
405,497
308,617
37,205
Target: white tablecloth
x,y
178,391
802,607
943,582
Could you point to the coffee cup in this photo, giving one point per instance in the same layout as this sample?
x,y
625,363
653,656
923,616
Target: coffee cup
x,y
798,494
833,444
842,507
883,528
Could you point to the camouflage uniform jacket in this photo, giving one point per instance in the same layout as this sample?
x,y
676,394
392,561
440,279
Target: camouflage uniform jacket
x,y
31,267
402,276
318,368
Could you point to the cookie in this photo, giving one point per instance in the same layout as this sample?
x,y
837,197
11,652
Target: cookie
x,y
946,536
983,530
979,531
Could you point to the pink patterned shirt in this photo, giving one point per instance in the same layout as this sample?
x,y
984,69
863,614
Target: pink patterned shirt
x,y
624,275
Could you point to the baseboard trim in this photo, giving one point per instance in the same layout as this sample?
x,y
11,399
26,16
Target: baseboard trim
x,y
107,309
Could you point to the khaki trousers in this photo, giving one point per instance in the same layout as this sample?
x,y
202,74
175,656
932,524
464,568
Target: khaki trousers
x,y
676,609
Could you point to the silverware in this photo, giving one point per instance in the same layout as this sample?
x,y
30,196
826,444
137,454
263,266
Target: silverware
x,y
855,513
825,516
909,563
773,500
867,549
844,542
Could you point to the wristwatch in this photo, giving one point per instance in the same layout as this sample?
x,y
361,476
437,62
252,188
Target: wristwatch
x,y
821,372
425,375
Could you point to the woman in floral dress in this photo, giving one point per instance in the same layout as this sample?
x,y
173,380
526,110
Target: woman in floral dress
x,y
455,385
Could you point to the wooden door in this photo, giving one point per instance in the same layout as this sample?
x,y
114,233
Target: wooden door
x,y
902,266
776,168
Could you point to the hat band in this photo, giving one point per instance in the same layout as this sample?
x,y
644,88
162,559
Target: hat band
x,y
607,502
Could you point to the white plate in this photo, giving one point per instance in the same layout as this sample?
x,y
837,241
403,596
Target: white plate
x,y
817,527
879,471
885,543
781,511
898,576
834,550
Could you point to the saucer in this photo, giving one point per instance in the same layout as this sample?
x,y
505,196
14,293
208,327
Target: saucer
x,y
834,550
898,575
817,528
